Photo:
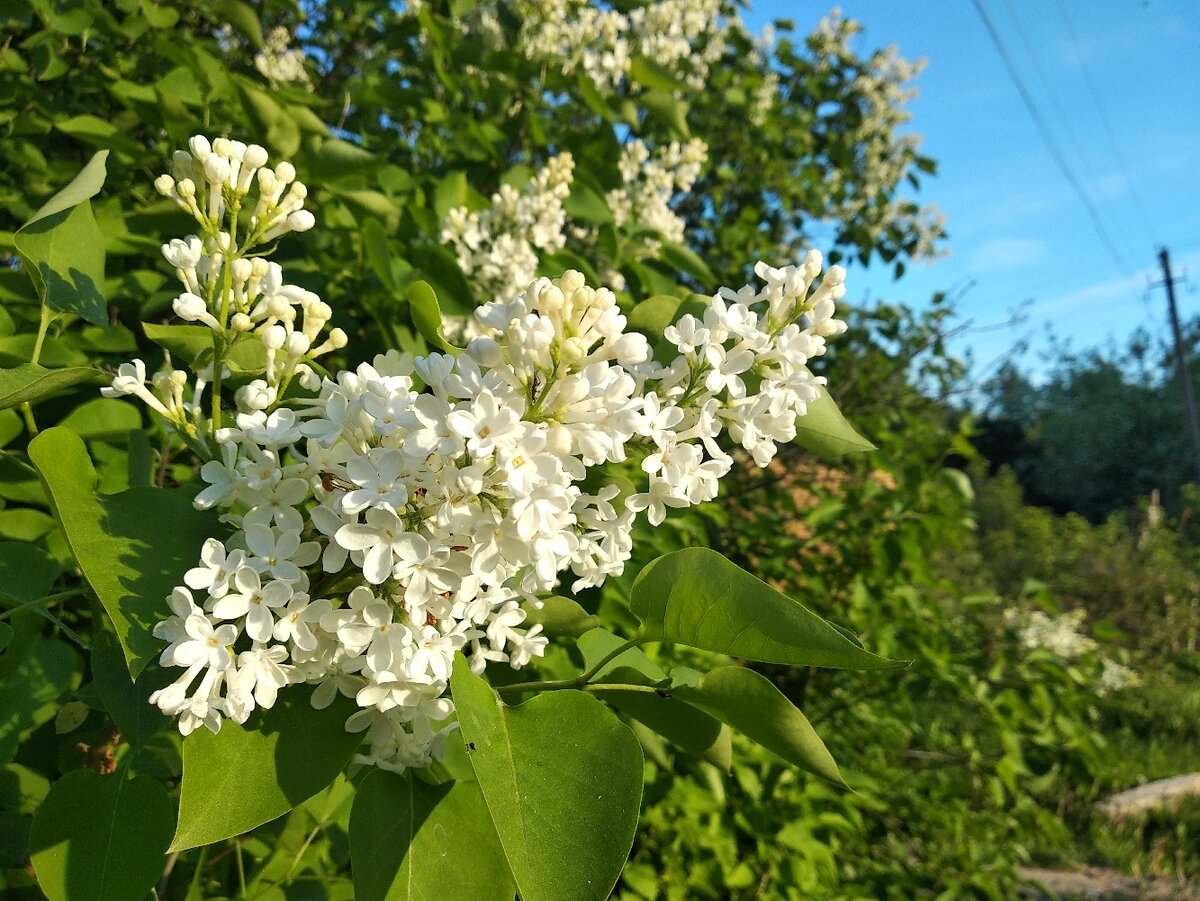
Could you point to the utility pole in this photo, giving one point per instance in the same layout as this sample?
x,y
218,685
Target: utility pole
x,y
1185,375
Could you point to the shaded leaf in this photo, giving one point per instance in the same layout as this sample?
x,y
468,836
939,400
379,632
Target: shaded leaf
x,y
62,247
30,687
412,841
102,838
26,572
29,383
133,547
244,776
103,417
127,702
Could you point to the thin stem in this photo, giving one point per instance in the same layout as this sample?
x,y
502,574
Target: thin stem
x,y
241,868
619,686
309,839
49,599
30,422
218,365
9,455
66,630
580,680
43,326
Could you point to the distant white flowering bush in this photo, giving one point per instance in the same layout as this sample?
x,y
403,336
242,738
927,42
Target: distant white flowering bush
x,y
652,179
416,507
883,88
682,36
1063,636
498,248
280,63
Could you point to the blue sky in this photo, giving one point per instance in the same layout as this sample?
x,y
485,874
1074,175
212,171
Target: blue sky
x,y
1018,231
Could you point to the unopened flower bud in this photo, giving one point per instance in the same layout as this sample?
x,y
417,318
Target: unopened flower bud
x,y
216,170
257,395
200,147
301,221
241,270
485,351
297,344
255,156
274,337
190,307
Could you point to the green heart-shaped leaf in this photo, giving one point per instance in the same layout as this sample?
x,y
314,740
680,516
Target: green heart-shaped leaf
x,y
101,837
412,841
244,776
562,779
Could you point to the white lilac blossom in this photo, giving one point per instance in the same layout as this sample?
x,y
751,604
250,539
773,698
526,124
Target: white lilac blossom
x,y
379,529
498,247
651,180
683,36
239,203
280,63
882,88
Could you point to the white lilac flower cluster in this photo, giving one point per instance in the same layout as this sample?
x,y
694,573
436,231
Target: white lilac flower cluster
x,y
683,36
239,204
881,88
651,180
416,507
497,248
278,62
1063,636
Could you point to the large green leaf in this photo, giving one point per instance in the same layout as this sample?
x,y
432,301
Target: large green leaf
x,y
244,776
562,778
133,547
749,703
587,205
102,838
375,249
653,315
241,16
62,247
698,598
450,191
29,383
825,431
412,841
684,258
31,684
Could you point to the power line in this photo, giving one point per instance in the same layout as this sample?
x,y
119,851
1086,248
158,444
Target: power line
x,y
1109,133
1063,118
1048,138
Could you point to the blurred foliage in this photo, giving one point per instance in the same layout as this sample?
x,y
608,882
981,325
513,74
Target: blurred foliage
x,y
1100,431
